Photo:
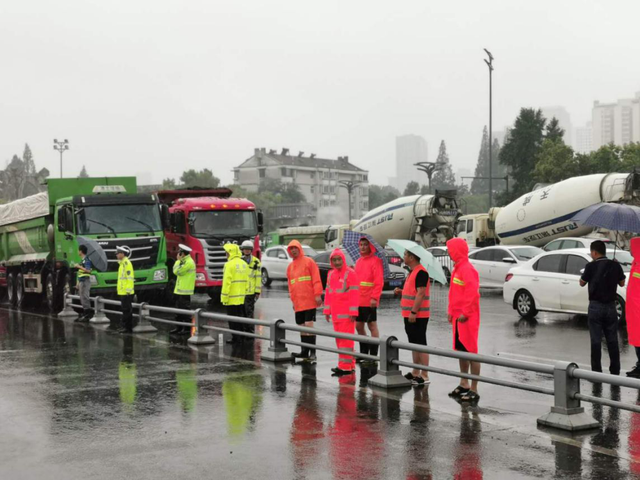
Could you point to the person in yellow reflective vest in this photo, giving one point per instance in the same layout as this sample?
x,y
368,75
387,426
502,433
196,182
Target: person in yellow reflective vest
x,y
125,287
185,271
234,287
254,283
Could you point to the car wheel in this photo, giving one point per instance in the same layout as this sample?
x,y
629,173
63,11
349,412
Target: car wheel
x,y
620,310
525,304
266,280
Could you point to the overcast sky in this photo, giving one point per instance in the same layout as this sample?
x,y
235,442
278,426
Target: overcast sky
x,y
158,86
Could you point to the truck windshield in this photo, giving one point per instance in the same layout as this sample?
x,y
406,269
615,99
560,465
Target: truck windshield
x,y
220,224
100,219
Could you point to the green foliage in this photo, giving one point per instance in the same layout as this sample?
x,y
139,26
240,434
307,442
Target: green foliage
x,y
554,132
481,186
203,178
474,203
443,179
168,184
424,189
282,192
20,179
412,188
83,173
381,194
27,158
520,151
555,162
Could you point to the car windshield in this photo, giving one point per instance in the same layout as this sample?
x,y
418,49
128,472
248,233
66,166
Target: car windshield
x,y
114,219
223,224
624,258
308,251
526,253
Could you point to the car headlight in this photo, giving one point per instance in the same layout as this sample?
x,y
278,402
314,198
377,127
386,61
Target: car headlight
x,y
200,277
159,275
93,280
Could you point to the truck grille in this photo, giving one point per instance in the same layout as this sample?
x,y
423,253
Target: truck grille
x,y
215,258
144,251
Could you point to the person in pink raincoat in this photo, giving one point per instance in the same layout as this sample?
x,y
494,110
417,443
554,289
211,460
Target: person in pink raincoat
x,y
464,315
341,306
633,305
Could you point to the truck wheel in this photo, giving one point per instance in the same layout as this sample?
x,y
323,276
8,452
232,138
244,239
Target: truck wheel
x,y
525,304
266,281
620,310
20,295
11,288
50,293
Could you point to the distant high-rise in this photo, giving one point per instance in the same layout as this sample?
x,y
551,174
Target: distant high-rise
x,y
616,122
584,143
564,119
410,149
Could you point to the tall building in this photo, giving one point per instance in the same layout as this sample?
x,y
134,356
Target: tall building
x,y
584,143
564,119
410,149
327,202
616,122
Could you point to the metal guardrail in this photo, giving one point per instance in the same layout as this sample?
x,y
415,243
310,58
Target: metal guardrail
x,y
566,412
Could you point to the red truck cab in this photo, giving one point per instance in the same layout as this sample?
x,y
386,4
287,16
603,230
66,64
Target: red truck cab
x,y
205,220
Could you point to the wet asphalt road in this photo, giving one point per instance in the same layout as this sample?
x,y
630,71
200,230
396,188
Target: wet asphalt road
x,y
80,402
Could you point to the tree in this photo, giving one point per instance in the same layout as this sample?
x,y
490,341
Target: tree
x,y
443,178
381,194
16,182
555,162
168,184
83,173
554,132
424,190
413,188
203,178
521,149
27,158
479,186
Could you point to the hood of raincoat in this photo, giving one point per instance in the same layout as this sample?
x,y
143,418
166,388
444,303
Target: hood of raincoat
x,y
635,251
338,253
232,249
458,249
371,246
295,243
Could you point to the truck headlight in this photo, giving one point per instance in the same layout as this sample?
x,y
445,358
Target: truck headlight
x,y
93,280
159,275
200,277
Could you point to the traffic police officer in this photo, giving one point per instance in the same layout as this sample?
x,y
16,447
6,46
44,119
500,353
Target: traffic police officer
x,y
125,287
254,284
185,271
234,287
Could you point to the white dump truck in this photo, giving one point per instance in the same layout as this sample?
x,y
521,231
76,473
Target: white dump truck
x,y
545,214
426,219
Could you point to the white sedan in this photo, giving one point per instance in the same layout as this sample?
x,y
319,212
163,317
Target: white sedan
x,y
575,242
493,263
275,261
551,283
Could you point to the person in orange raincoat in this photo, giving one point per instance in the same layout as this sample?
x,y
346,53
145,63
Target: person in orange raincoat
x,y
341,305
305,291
633,305
371,274
464,315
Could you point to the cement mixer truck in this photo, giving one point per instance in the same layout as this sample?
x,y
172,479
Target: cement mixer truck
x,y
544,214
426,219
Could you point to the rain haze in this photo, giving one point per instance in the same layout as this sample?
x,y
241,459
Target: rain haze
x,y
158,87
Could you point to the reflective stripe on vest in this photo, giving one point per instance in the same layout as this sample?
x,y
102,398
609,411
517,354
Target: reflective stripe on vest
x,y
367,284
410,292
636,274
457,281
344,288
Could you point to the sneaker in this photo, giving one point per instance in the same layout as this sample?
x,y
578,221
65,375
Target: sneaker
x,y
635,373
360,360
418,381
312,359
409,376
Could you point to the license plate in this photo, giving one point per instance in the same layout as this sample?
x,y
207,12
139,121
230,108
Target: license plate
x,y
395,283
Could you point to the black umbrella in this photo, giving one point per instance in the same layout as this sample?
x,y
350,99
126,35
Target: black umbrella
x,y
95,253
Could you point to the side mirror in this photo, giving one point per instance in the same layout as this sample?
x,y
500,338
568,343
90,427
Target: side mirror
x,y
260,221
508,260
165,217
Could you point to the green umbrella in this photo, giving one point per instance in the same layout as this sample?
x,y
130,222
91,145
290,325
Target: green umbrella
x,y
427,260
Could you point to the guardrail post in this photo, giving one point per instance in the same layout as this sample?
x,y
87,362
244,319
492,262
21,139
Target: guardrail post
x,y
389,375
277,351
200,336
567,413
67,310
98,315
143,325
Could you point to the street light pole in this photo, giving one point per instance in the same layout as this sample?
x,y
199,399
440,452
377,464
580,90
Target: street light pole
x,y
349,185
490,65
61,146
429,168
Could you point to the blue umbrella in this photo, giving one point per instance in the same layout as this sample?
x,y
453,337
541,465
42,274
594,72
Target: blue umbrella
x,y
612,216
427,260
351,243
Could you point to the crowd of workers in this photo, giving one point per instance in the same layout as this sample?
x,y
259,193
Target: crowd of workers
x,y
352,297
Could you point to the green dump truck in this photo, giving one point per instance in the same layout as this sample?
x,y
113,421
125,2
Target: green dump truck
x,y
38,238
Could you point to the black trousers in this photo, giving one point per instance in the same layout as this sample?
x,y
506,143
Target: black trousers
x,y
249,309
183,302
236,311
603,320
127,312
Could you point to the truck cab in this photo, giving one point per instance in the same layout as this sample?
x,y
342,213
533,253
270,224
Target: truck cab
x,y
205,220
478,230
